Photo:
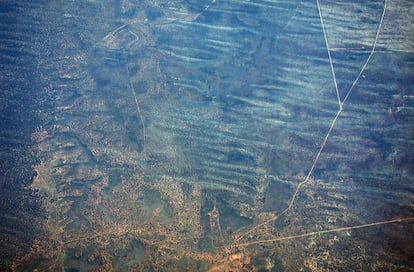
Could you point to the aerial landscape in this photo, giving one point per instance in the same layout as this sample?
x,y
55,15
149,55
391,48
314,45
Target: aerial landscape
x,y
212,135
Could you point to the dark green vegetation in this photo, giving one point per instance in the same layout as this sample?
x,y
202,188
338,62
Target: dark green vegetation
x,y
21,101
163,132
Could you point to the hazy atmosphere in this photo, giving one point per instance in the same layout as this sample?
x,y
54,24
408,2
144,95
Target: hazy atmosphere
x,y
210,135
